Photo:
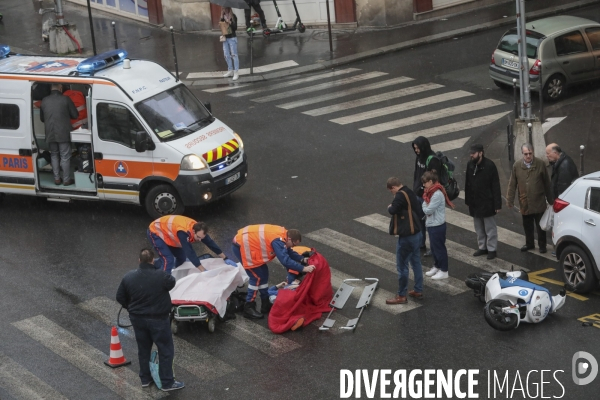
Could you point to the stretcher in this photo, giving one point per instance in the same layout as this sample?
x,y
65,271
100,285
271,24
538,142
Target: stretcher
x,y
202,296
341,296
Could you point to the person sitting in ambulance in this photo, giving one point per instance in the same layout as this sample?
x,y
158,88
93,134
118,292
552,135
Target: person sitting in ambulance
x,y
79,100
172,237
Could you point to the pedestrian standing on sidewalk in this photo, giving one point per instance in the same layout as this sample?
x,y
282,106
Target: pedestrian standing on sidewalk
x,y
144,292
406,213
228,25
484,198
426,161
530,177
564,170
261,14
434,207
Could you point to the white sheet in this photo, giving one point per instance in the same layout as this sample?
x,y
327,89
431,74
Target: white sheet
x,y
212,286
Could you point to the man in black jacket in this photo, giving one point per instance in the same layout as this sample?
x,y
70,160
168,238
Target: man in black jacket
x,y
426,161
564,170
261,14
409,239
484,198
144,292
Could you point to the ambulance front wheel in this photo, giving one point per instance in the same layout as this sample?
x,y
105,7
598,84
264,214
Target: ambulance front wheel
x,y
163,200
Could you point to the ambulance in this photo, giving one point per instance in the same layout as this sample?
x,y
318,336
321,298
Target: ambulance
x,y
153,143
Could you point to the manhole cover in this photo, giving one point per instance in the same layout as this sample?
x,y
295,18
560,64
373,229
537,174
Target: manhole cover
x,y
335,35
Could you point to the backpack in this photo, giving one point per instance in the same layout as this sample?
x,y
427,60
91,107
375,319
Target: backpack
x,y
447,175
84,160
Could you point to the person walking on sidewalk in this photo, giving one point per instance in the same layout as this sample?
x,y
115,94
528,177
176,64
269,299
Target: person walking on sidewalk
x,y
426,161
406,213
255,246
228,25
144,293
530,177
434,207
484,198
261,14
564,170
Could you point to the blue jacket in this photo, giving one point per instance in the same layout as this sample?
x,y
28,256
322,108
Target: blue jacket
x,y
184,239
287,257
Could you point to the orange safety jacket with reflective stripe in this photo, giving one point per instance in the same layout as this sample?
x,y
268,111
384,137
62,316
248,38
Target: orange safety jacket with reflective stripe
x,y
167,227
80,103
255,243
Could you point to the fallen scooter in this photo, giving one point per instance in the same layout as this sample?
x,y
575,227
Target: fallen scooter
x,y
510,298
281,27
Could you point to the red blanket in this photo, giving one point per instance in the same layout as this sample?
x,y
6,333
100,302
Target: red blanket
x,y
309,300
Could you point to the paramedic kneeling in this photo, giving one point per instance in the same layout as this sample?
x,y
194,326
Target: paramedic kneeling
x,y
144,292
172,237
256,245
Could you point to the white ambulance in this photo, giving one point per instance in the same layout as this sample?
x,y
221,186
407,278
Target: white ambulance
x,y
153,143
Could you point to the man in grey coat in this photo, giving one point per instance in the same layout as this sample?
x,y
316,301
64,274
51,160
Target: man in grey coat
x,y
56,113
530,176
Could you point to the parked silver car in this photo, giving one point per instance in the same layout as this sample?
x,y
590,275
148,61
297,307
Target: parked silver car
x,y
567,47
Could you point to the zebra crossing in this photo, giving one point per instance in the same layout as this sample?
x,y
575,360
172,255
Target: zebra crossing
x,y
329,95
20,383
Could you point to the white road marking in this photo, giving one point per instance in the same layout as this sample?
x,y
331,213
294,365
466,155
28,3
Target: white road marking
x,y
321,86
550,122
243,71
401,107
225,88
122,381
343,93
455,127
188,356
394,94
430,116
22,384
452,144
379,257
295,82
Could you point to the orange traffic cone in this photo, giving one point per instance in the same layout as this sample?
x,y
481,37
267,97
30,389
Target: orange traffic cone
x,y
116,358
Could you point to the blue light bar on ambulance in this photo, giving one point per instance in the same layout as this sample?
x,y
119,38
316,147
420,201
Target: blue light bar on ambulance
x,y
101,61
4,50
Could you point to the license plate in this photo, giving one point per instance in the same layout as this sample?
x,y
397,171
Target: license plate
x,y
509,63
232,178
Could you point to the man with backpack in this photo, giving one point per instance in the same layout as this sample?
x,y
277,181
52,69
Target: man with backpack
x,y
484,198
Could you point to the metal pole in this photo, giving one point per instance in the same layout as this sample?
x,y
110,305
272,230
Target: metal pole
x,y
529,126
60,18
541,95
91,26
329,27
115,35
581,150
516,102
509,136
523,63
174,54
251,51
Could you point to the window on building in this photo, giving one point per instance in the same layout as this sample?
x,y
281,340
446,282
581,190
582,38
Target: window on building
x,y
9,116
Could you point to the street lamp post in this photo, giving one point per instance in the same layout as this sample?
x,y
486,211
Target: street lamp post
x,y
523,63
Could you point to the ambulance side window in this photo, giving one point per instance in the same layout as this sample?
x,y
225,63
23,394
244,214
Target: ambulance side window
x,y
117,124
9,116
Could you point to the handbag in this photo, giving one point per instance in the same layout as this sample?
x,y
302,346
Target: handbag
x,y
222,38
547,220
406,222
225,28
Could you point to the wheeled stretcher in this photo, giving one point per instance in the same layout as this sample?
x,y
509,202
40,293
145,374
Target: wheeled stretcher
x,y
341,296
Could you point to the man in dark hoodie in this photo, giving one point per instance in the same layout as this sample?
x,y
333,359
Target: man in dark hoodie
x,y
422,149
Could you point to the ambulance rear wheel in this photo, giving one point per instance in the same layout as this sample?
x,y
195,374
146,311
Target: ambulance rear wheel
x,y
212,323
163,200
174,327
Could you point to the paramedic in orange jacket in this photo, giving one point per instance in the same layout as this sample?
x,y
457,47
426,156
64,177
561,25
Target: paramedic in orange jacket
x,y
255,246
79,100
172,237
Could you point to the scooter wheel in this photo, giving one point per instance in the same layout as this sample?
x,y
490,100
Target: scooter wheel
x,y
496,318
266,32
301,28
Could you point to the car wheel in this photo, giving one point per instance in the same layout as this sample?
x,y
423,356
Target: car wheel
x,y
496,318
163,200
501,85
577,269
554,88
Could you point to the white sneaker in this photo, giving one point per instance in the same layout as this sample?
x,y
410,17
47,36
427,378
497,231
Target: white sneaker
x,y
228,74
236,76
432,271
440,275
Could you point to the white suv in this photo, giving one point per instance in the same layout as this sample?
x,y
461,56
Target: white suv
x,y
576,233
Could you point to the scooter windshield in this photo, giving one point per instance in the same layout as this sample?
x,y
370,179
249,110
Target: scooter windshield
x,y
174,113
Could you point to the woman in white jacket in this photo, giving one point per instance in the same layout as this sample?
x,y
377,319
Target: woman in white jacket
x,y
434,207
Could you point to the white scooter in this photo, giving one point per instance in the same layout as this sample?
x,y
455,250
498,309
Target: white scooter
x,y
510,298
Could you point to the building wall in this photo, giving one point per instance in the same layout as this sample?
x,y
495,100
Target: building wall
x,y
187,15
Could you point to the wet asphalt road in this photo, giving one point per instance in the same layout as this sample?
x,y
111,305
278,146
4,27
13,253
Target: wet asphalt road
x,y
305,173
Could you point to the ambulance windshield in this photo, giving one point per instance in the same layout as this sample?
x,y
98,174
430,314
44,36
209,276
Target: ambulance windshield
x,y
174,113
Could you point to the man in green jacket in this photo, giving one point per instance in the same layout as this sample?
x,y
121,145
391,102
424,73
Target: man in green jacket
x,y
530,176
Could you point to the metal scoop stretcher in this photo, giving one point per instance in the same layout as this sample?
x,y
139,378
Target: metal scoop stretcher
x,y
341,296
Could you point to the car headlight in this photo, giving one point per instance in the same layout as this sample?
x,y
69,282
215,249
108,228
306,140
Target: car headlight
x,y
192,162
239,139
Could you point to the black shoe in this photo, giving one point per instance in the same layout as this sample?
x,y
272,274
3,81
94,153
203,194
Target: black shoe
x,y
427,253
250,311
264,26
423,247
526,248
265,305
491,255
480,252
542,250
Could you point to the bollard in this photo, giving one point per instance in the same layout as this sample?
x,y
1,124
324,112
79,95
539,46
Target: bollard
x,y
515,99
509,129
174,54
541,95
530,126
115,35
581,150
251,51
